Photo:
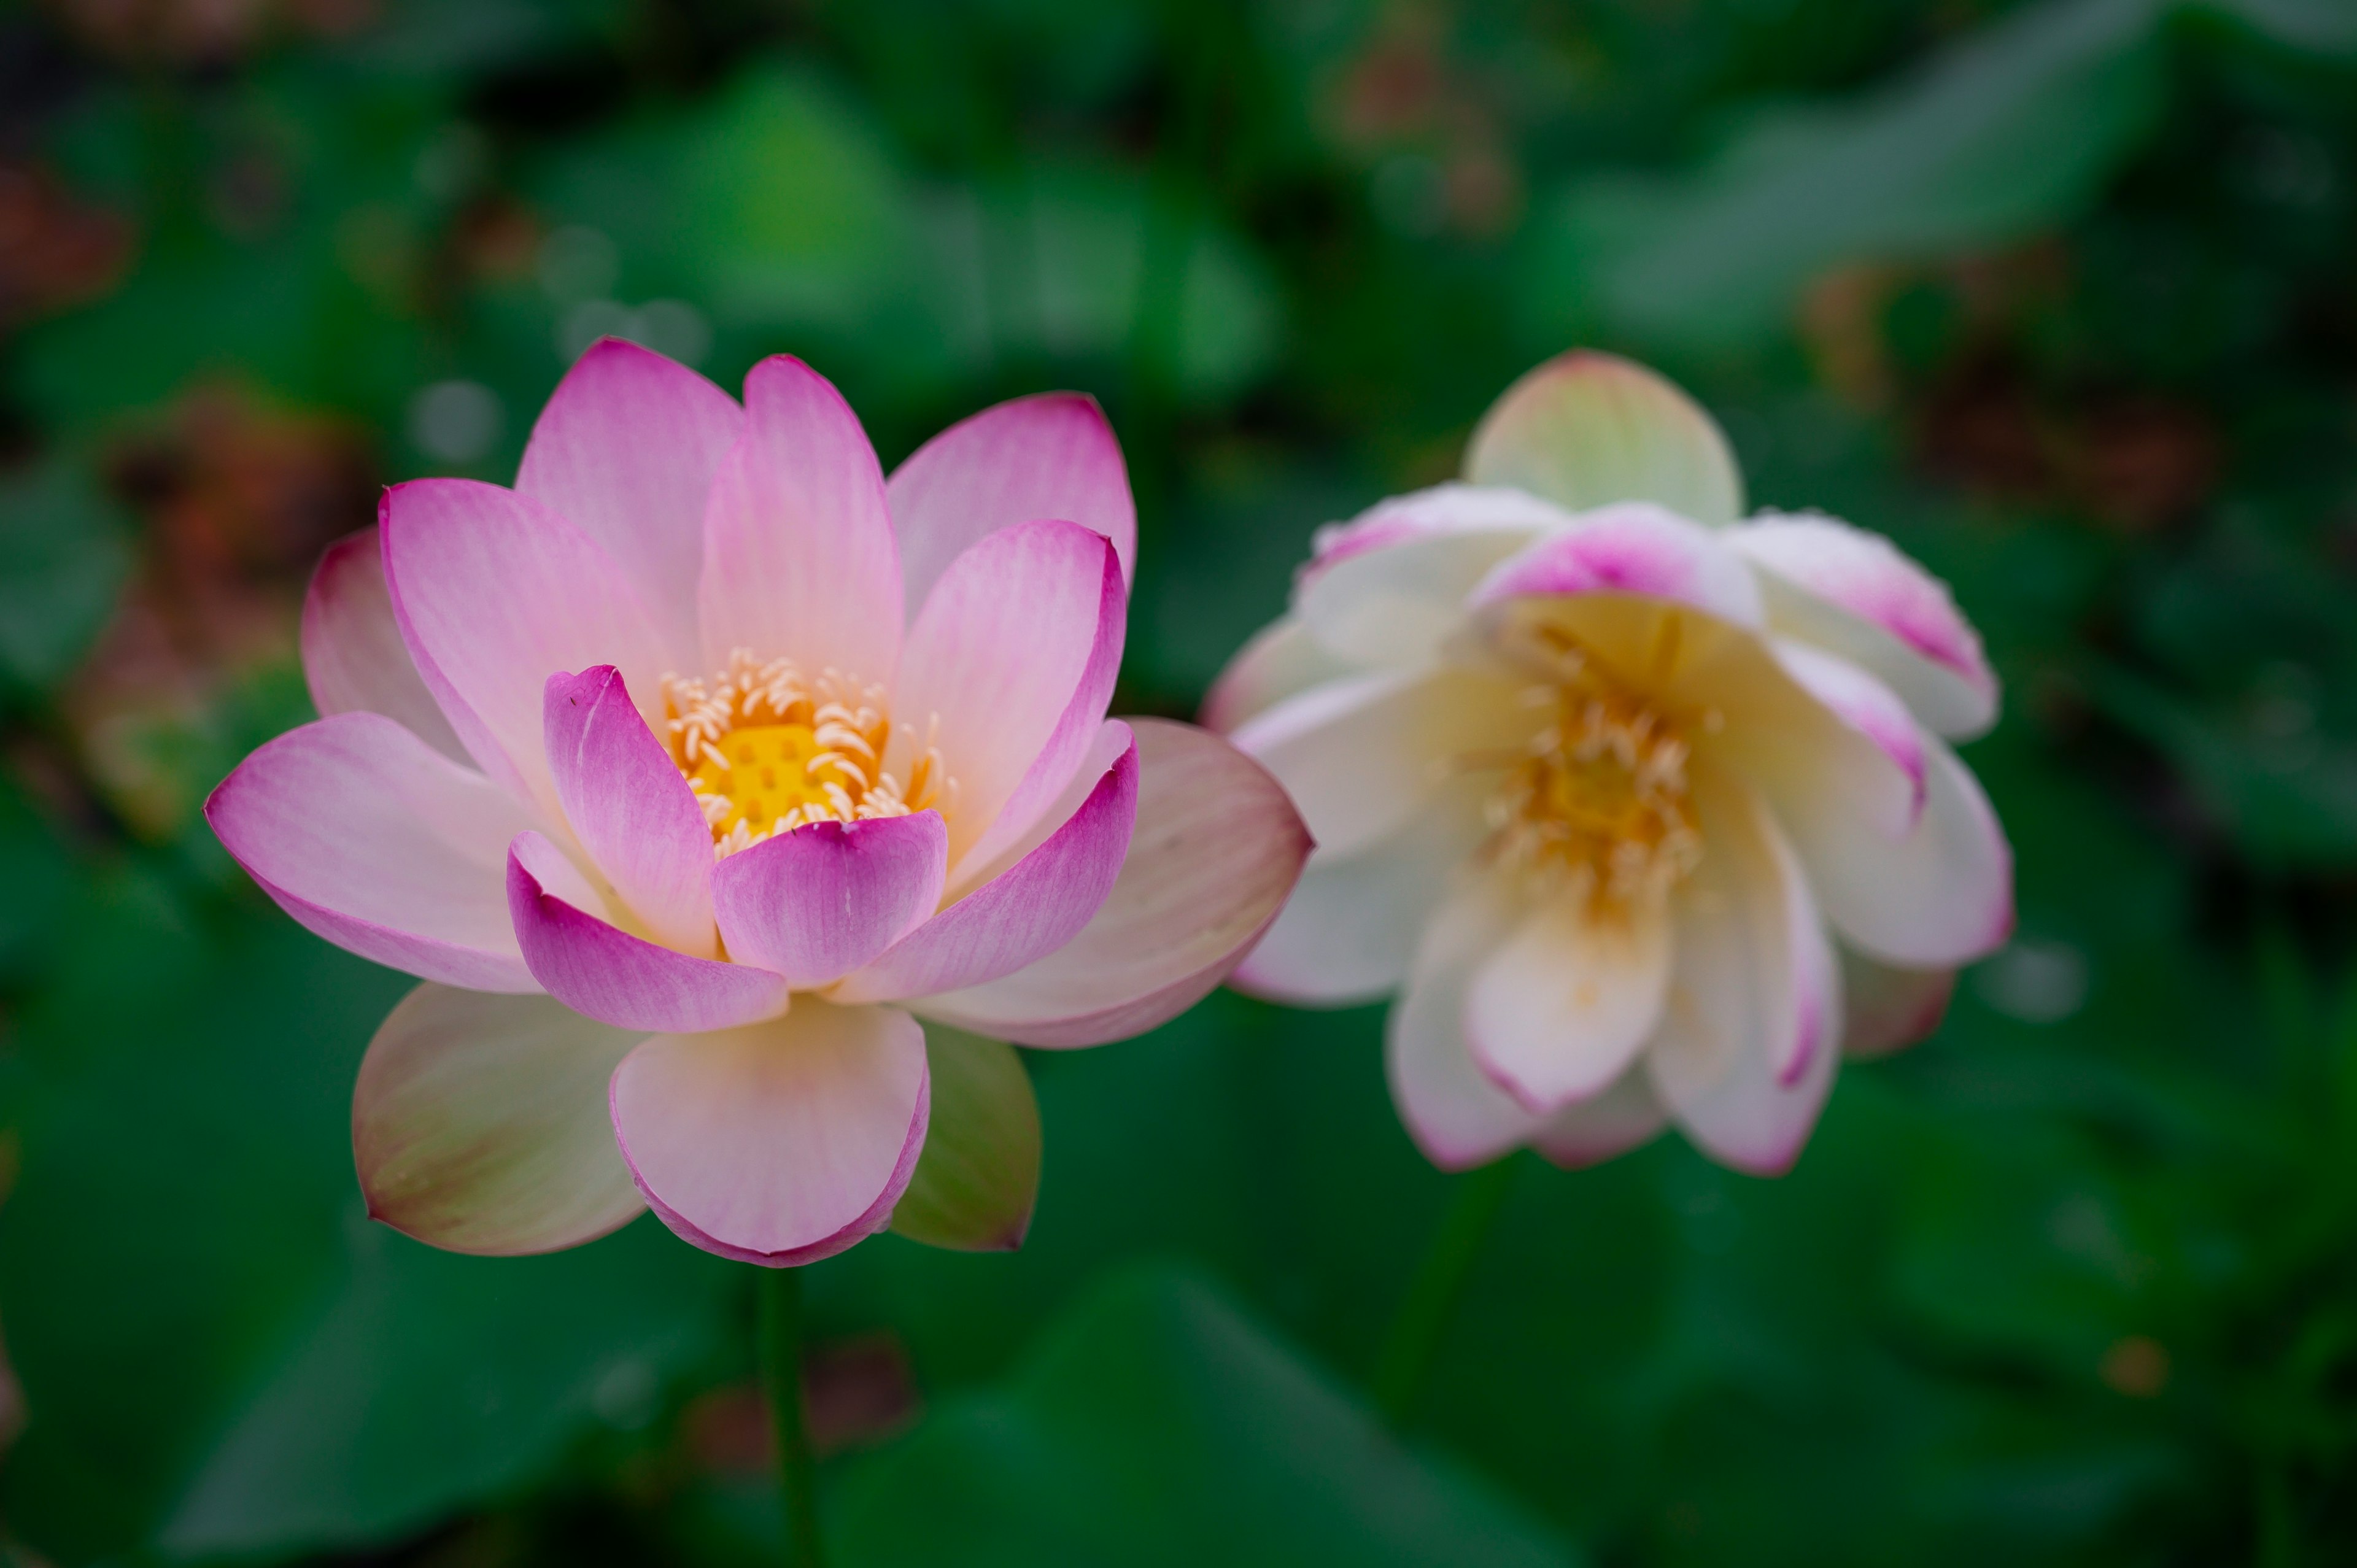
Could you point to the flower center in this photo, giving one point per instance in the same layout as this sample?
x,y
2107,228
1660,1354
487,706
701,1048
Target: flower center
x,y
767,749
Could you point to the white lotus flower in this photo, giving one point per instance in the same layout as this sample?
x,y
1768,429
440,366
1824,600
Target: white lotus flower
x,y
1643,811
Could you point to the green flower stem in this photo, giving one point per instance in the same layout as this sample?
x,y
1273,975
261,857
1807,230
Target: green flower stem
x,y
780,1341
1430,1304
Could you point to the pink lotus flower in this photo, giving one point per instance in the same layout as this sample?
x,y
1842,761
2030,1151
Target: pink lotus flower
x,y
1642,810
688,772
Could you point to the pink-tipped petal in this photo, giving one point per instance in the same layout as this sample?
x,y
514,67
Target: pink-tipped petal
x,y
480,1123
353,659
625,448
1281,660
1563,1005
601,971
1586,429
1888,1008
781,1142
1633,549
1456,1114
373,840
818,902
1217,848
1008,669
1744,1055
1864,704
1854,593
494,593
1387,590
632,811
798,560
1613,1122
1050,456
1024,913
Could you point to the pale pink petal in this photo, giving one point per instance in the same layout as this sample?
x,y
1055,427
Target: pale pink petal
x,y
1350,931
1939,896
1454,1113
1362,756
632,811
1216,849
1586,429
353,657
1746,1051
1281,660
495,592
625,448
798,560
1890,1008
1388,590
1556,1014
1437,510
1024,913
822,900
1050,456
1613,1122
373,840
782,1143
480,1123
598,968
1008,669
1854,593
1634,549
1864,704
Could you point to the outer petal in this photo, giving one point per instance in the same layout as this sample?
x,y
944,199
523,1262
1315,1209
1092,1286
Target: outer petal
x,y
820,901
625,448
495,592
1052,455
1217,848
1454,1113
1350,931
480,1123
1854,593
976,1181
1281,660
1387,590
1021,915
1630,548
1362,757
1746,1050
1613,1122
798,560
780,1144
353,659
1586,429
1561,1008
1890,1008
604,971
631,809
375,841
1009,667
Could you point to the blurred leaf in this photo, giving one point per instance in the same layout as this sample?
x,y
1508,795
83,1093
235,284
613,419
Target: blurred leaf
x,y
979,1174
63,558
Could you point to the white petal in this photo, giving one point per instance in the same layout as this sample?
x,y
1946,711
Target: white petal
x,y
1556,1013
1457,1116
1281,660
1387,590
1586,429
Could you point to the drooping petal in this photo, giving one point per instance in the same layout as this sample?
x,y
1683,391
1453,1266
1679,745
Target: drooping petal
x,y
495,592
1634,549
1939,896
1586,429
1362,756
1593,1131
818,902
1747,1047
1281,660
798,560
1853,593
629,806
1563,1005
480,1123
598,968
625,448
1217,848
1008,669
1050,456
781,1142
1386,591
1456,1114
976,1182
1888,1008
373,840
353,657
1350,931
1021,915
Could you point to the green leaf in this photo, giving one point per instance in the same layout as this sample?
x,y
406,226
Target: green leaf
x,y
979,1174
63,557
1155,1425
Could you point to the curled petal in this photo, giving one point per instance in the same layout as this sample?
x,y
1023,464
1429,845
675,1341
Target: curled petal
x,y
1457,1115
818,902
1281,660
632,812
1588,429
1888,1008
353,657
1635,549
1568,1000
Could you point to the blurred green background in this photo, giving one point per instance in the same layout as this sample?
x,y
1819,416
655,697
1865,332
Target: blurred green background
x,y
2063,294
